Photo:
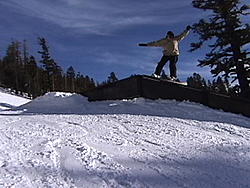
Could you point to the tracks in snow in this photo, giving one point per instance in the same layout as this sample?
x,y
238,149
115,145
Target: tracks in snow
x,y
121,151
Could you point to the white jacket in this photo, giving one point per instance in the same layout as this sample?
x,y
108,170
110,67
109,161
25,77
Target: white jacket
x,y
170,45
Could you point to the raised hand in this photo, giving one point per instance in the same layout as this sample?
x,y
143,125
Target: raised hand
x,y
188,27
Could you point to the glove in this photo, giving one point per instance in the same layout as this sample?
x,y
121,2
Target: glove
x,y
142,44
188,27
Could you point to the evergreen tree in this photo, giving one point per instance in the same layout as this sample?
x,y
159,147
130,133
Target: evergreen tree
x,y
25,52
70,74
89,83
112,78
83,82
1,73
196,81
45,55
223,85
31,72
46,64
52,70
220,86
78,83
12,65
229,35
56,77
92,84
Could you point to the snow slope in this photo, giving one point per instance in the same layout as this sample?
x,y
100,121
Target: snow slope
x,y
62,140
8,101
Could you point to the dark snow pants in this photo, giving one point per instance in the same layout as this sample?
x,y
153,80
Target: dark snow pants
x,y
172,65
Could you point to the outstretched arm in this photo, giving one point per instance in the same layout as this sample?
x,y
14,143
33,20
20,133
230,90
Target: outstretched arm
x,y
184,34
158,43
142,44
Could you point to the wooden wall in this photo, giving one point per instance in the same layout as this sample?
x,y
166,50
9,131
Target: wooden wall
x,y
152,88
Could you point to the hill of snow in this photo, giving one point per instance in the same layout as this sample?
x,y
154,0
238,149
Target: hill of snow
x,y
8,100
62,140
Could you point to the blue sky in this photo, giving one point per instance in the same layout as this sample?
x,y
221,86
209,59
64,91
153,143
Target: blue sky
x,y
97,37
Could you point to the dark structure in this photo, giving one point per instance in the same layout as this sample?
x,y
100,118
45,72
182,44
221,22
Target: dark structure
x,y
153,88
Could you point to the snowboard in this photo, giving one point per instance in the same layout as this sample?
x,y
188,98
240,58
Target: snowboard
x,y
167,78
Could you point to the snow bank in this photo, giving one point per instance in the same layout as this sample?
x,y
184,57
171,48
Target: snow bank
x,y
55,102
68,103
8,101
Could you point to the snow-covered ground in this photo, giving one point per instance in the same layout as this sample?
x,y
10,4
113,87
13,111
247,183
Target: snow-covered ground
x,y
62,140
8,101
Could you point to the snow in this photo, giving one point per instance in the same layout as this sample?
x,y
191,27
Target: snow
x,y
62,140
8,101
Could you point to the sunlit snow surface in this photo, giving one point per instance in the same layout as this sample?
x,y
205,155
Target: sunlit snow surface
x,y
8,101
62,140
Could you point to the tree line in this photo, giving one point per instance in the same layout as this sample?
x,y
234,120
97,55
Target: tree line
x,y
218,85
22,72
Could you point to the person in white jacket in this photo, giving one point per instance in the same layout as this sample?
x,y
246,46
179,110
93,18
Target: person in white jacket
x,y
171,52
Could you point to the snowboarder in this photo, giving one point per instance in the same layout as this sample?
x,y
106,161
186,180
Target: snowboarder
x,y
171,52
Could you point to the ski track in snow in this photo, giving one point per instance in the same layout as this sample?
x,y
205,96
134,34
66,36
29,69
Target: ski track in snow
x,y
125,150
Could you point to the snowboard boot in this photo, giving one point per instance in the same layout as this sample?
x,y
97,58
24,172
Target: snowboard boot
x,y
156,76
175,79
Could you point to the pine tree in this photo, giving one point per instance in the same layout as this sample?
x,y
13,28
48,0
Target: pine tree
x,y
92,84
26,77
12,65
45,54
70,74
78,86
112,78
52,70
88,83
196,81
220,85
229,35
46,64
25,52
1,73
56,77
32,73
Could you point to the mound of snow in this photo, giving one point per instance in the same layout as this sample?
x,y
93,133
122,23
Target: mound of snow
x,y
8,101
68,103
56,102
